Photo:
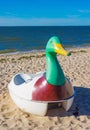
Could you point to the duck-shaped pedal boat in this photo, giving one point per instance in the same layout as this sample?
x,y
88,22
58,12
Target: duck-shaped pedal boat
x,y
34,92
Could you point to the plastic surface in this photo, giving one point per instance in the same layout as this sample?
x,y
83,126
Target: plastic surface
x,y
43,91
54,72
33,92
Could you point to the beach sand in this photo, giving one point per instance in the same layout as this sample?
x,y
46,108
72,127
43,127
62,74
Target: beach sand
x,y
76,68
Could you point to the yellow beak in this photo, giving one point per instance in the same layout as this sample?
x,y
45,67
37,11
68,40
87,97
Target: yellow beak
x,y
60,50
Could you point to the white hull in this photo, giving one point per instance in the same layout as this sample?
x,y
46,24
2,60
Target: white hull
x,y
21,93
36,107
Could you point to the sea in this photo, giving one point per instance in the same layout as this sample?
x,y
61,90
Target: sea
x,y
35,38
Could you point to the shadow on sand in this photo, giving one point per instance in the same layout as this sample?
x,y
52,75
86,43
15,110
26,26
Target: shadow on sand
x,y
81,104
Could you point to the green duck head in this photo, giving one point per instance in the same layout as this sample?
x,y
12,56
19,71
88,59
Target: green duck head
x,y
54,45
54,72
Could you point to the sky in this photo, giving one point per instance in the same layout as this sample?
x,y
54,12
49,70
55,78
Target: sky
x,y
44,12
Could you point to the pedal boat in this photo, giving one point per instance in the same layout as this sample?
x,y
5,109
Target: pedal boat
x,y
33,93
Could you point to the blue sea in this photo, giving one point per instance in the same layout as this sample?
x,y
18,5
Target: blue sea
x,y
30,38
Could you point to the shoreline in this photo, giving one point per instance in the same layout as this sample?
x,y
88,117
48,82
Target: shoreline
x,y
9,52
76,68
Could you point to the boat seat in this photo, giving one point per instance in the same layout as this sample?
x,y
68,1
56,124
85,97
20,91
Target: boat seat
x,y
18,80
22,78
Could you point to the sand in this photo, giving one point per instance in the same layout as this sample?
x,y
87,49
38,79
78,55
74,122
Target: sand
x,y
76,68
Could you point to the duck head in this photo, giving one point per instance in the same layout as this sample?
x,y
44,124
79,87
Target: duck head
x,y
54,45
54,72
